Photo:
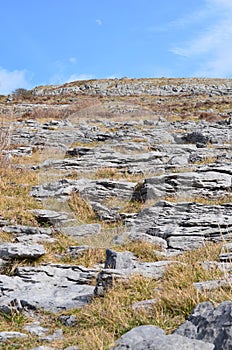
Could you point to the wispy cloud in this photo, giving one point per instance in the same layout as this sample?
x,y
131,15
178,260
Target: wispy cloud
x,y
99,22
11,80
212,45
64,72
75,77
73,60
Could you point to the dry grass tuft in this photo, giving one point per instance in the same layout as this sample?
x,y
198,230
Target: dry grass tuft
x,y
15,199
103,321
144,251
81,208
220,200
106,319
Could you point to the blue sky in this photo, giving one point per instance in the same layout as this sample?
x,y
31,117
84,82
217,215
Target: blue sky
x,y
56,41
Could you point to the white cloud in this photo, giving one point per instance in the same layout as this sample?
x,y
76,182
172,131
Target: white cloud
x,y
212,45
75,77
11,80
220,4
73,60
99,22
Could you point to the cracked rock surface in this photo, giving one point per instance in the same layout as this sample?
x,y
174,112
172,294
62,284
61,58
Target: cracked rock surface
x,y
149,161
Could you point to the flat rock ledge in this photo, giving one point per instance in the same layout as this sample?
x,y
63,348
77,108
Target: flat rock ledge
x,y
185,225
21,251
49,287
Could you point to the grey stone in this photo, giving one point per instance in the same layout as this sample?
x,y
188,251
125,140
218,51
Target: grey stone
x,y
143,237
106,279
144,305
21,251
120,260
68,320
225,267
107,158
35,329
95,192
4,336
42,347
184,185
27,230
3,222
213,325
77,251
178,160
194,137
122,265
153,338
155,270
185,225
213,284
52,217
35,238
226,253
78,151
82,230
137,335
47,287
57,335
104,213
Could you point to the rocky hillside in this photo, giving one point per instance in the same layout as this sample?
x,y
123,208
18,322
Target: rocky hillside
x,y
116,215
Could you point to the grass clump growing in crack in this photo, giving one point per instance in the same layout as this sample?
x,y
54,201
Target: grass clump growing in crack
x,y
81,208
109,317
59,252
144,251
216,200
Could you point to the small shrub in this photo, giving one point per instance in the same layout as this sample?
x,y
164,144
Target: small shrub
x,y
22,93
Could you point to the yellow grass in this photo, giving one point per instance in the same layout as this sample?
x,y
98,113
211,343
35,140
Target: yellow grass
x,y
15,199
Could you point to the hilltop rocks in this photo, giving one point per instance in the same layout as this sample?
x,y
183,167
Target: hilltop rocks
x,y
128,87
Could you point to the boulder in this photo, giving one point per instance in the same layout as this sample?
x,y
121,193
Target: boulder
x,y
154,338
210,324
